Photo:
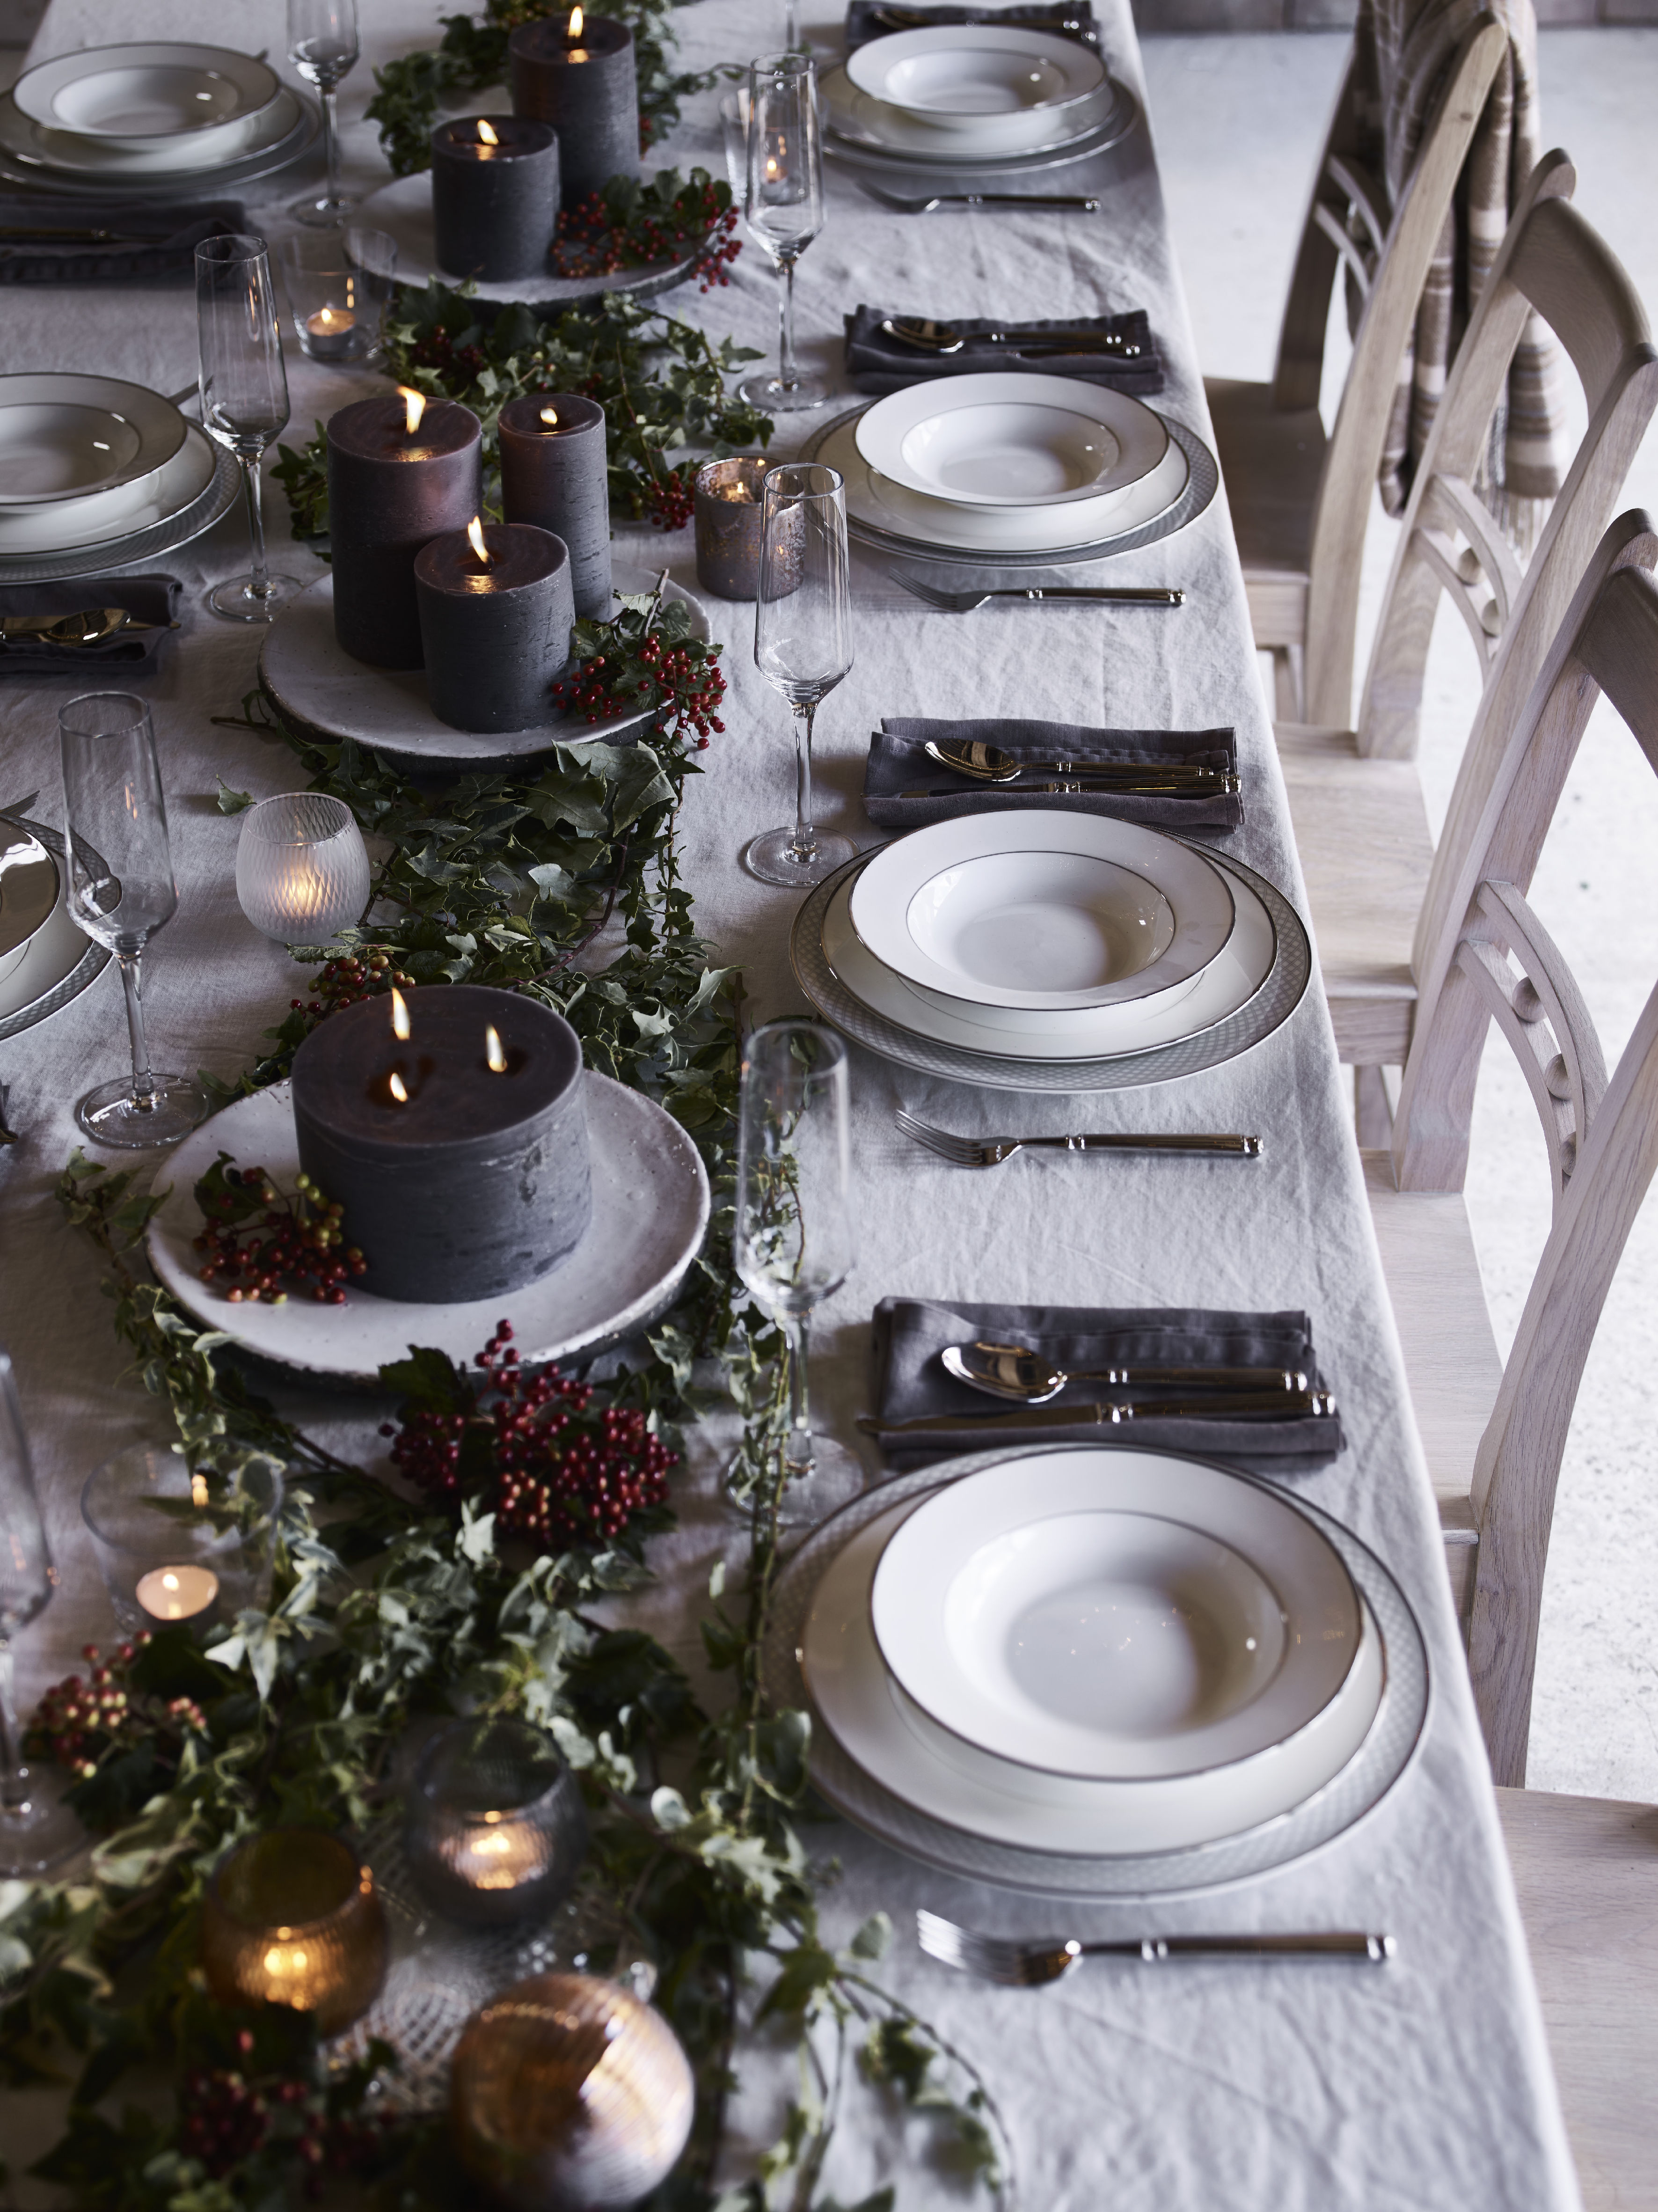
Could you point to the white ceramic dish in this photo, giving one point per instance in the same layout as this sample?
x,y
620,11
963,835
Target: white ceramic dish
x,y
25,148
857,124
854,1697
28,893
1041,911
650,1215
1013,440
55,964
143,97
998,87
73,523
286,124
67,438
1115,1616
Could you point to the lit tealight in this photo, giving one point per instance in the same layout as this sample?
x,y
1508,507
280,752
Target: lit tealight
x,y
414,406
492,1051
177,1593
399,1016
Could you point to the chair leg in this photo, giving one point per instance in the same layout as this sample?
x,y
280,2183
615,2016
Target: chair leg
x,y
1372,1109
1286,683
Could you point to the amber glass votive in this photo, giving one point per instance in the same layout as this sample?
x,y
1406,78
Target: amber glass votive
x,y
728,508
291,1918
496,1828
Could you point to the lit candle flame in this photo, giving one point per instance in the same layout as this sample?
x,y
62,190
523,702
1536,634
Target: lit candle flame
x,y
576,25
397,1087
199,1490
399,1017
326,318
487,133
493,1053
474,539
549,417
414,406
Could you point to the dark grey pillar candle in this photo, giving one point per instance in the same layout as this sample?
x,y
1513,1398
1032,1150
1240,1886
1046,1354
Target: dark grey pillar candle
x,y
496,633
390,490
494,209
477,1185
556,474
586,88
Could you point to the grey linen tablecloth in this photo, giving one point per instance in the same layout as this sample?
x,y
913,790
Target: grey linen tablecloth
x,y
1255,2089
898,763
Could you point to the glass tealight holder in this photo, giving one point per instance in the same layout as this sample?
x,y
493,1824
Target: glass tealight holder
x,y
291,1918
496,1829
339,285
302,872
729,508
175,1546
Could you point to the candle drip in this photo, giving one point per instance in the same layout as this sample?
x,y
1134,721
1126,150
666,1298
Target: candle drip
x,y
474,539
414,406
400,1029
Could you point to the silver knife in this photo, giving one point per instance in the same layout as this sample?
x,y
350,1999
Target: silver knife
x,y
1275,1404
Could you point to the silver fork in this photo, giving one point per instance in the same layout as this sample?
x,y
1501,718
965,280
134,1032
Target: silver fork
x,y
1031,1966
991,1151
963,603
900,203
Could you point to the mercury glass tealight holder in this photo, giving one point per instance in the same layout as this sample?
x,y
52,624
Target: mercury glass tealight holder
x,y
302,872
291,1918
175,1546
496,1829
339,284
728,508
566,2095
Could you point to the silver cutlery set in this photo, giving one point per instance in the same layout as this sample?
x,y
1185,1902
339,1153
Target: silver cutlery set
x,y
1033,1966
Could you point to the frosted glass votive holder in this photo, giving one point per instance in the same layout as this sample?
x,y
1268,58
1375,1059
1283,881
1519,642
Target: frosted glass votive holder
x,y
302,872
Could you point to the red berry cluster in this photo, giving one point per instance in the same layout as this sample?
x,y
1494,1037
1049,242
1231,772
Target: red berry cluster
x,y
224,2119
591,243
77,1720
558,1473
300,1240
672,499
353,976
437,349
687,686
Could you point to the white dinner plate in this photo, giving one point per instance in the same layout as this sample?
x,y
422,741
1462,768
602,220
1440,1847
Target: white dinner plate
x,y
865,126
68,438
1115,1616
1041,911
58,963
143,97
854,1697
650,1215
1224,987
73,523
28,893
989,86
1012,439
267,134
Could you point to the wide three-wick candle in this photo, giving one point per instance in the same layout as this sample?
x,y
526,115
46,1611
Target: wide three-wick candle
x,y
494,197
496,612
400,472
578,75
555,472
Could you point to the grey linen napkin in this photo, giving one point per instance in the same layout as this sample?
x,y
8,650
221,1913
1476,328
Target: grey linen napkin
x,y
147,599
147,240
876,362
896,764
866,18
911,1381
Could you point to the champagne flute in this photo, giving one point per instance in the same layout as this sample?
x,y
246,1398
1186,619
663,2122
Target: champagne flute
x,y
33,1832
120,892
244,388
792,1243
783,207
323,45
802,646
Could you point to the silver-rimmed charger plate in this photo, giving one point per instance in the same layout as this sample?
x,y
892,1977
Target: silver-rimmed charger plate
x,y
891,162
155,184
102,558
1268,1009
1381,1761
60,962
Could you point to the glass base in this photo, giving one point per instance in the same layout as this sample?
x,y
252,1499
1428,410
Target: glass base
x,y
323,213
111,1115
236,600
773,397
775,860
37,1837
836,1477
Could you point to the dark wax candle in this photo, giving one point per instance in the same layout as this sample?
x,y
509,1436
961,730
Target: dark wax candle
x,y
391,489
494,206
579,76
497,626
555,473
476,1182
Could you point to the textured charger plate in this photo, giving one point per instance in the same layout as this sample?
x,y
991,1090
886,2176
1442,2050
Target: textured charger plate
x,y
60,962
1380,1761
927,172
223,489
1202,481
212,183
1268,1009
650,1215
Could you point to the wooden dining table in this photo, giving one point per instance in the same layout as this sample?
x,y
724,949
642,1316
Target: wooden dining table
x,y
1277,2088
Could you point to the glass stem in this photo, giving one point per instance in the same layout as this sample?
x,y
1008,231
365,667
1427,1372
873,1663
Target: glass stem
x,y
259,584
15,1780
797,1441
787,375
143,1083
331,145
804,847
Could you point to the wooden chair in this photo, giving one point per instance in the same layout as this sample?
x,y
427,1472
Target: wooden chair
x,y
1494,1435
1377,890
1300,503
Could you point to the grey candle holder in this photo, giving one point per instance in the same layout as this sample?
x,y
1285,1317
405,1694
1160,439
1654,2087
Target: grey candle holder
x,y
729,512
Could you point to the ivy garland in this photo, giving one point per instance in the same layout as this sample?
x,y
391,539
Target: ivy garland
x,y
384,1611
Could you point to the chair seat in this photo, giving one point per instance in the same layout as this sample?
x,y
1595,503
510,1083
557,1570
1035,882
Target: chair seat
x,y
1451,1361
1272,460
1362,832
1586,1873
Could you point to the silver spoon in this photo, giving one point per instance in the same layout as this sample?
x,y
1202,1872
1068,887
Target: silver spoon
x,y
990,764
929,336
1023,1377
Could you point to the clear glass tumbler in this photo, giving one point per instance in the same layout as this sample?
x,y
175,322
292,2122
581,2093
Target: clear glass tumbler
x,y
175,1546
339,284
302,870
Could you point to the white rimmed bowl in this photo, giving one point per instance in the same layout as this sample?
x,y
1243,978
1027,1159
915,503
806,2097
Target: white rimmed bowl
x,y
66,438
149,96
995,88
1012,439
29,889
277,133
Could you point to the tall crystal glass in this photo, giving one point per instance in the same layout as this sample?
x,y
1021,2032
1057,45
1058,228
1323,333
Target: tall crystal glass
x,y
783,207
244,388
33,1832
121,892
792,1243
802,646
323,45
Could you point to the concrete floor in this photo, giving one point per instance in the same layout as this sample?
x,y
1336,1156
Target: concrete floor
x,y
1239,121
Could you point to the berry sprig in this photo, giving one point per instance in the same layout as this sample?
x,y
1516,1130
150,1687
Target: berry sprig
x,y
349,977
647,658
555,1469
630,225
225,2119
258,1241
81,1719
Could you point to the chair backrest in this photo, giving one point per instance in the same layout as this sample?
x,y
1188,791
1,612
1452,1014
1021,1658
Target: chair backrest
x,y
1498,961
1390,277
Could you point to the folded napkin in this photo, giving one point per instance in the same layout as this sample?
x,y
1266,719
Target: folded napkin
x,y
43,241
896,764
876,362
869,19
152,600
911,1382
